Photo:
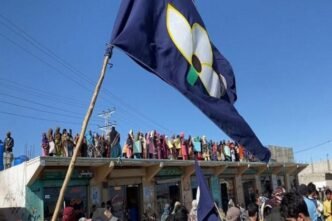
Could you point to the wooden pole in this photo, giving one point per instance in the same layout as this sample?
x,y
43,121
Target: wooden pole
x,y
71,166
219,214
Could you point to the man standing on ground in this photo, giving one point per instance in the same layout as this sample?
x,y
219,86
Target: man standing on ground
x,y
303,190
8,151
294,208
252,212
327,205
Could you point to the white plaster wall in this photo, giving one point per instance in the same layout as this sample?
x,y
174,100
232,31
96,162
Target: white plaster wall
x,y
323,166
306,178
12,186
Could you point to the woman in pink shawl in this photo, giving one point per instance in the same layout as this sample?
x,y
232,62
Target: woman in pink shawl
x,y
152,145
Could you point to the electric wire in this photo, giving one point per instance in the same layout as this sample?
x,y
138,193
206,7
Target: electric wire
x,y
43,61
50,53
39,110
160,126
41,119
37,103
313,147
40,93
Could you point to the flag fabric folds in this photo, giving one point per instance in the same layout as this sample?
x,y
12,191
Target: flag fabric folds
x,y
206,208
169,39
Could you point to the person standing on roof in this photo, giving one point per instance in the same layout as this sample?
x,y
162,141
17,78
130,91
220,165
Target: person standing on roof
x,y
8,151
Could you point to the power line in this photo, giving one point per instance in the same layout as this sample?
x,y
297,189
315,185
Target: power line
x,y
41,119
19,31
53,97
37,103
313,147
144,117
39,110
43,61
40,93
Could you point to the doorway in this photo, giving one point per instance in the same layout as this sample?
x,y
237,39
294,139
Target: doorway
x,y
133,202
224,196
249,192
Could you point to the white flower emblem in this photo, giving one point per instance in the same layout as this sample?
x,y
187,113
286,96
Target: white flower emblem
x,y
194,44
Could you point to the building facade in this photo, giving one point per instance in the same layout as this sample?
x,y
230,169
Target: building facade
x,y
133,187
319,173
281,154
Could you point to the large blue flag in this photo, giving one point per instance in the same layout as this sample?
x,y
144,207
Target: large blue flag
x,y
169,39
206,208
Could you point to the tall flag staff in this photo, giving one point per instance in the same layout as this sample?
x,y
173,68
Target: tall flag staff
x,y
169,39
71,166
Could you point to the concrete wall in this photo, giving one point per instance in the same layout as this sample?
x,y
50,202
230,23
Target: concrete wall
x,y
323,166
317,172
12,183
281,154
12,193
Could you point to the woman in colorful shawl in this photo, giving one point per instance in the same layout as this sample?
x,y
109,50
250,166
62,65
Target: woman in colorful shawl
x,y
45,145
184,147
51,144
214,151
137,150
158,147
205,148
190,145
197,148
146,145
163,147
171,148
152,145
57,142
64,139
70,143
221,156
227,151
130,144
97,149
115,145
177,144
90,143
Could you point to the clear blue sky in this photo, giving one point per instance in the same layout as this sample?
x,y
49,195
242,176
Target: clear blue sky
x,y
51,53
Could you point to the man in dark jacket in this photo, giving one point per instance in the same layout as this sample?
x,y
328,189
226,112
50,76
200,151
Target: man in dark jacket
x,y
8,151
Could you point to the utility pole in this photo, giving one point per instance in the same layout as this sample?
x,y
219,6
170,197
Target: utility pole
x,y
107,120
26,150
328,162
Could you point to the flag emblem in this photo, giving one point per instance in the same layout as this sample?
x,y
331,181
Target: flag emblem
x,y
194,44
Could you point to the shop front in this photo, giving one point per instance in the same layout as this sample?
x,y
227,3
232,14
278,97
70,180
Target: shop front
x,y
167,192
134,189
75,196
227,191
42,195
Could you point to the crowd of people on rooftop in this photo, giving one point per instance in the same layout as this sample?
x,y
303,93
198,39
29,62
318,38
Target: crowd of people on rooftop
x,y
149,145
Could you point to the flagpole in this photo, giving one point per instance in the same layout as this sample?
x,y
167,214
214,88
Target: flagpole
x,y
218,211
71,166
